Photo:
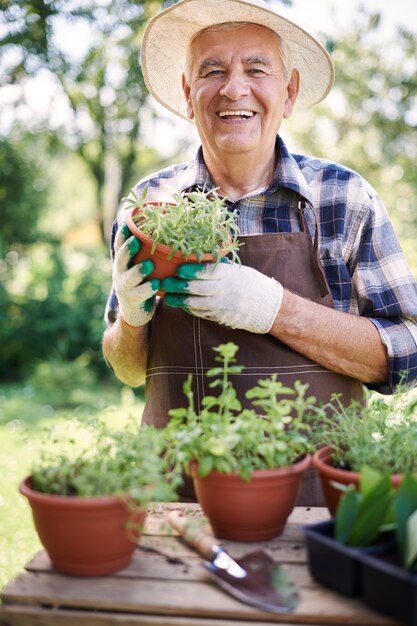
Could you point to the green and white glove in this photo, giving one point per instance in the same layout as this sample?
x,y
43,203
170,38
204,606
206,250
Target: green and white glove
x,y
136,296
227,293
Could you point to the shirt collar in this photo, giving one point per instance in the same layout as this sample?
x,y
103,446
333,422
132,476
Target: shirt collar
x,y
196,175
287,174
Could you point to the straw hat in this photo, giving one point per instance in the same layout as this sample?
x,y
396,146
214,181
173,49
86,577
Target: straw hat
x,y
169,33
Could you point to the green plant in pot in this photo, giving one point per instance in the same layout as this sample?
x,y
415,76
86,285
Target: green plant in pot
x,y
89,490
364,523
381,435
195,227
389,578
370,549
246,464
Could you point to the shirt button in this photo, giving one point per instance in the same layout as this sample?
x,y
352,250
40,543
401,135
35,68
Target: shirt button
x,y
238,212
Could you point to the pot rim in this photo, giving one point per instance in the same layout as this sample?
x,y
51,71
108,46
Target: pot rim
x,y
162,248
295,468
26,489
321,460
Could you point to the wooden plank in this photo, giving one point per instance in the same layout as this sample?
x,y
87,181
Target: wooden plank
x,y
143,565
169,558
303,515
156,523
179,598
279,550
44,617
156,566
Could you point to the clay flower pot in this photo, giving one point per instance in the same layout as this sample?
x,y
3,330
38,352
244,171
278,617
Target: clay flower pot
x,y
249,511
322,461
165,263
84,536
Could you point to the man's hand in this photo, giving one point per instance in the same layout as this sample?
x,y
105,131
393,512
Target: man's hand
x,y
226,293
136,296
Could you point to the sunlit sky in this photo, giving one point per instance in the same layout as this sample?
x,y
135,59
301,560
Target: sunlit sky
x,y
318,15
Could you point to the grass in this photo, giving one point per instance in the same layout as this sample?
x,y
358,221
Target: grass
x,y
24,412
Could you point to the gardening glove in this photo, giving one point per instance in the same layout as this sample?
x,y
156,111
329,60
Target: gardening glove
x,y
136,296
227,293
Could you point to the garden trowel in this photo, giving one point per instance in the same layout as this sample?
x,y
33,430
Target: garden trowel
x,y
255,578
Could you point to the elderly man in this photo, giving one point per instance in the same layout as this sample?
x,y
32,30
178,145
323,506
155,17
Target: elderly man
x,y
324,293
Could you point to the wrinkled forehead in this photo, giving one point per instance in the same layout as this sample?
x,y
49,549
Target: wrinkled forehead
x,y
271,41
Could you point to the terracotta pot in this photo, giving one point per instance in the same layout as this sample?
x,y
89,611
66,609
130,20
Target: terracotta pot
x,y
322,461
163,266
84,536
249,511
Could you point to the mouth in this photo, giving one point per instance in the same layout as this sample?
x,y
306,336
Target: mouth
x,y
242,114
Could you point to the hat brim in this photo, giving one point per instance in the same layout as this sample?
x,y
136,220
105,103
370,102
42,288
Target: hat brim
x,y
168,34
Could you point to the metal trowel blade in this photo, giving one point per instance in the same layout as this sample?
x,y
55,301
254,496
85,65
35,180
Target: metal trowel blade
x,y
266,585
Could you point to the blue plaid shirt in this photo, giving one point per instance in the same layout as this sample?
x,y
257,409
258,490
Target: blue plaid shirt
x,y
362,259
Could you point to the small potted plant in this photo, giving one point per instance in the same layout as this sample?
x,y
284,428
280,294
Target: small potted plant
x,y
370,550
382,435
196,227
364,517
246,465
389,578
89,490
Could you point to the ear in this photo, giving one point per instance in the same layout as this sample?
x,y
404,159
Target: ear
x,y
187,93
293,87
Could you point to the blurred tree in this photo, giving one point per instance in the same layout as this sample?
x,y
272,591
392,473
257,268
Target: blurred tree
x,y
22,193
100,77
99,74
369,120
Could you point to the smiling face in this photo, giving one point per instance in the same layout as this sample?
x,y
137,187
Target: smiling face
x,y
237,90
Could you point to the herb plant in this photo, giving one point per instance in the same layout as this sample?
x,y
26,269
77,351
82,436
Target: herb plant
x,y
405,512
92,459
224,437
197,223
382,434
363,514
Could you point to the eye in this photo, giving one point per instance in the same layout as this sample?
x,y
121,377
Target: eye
x,y
256,71
213,73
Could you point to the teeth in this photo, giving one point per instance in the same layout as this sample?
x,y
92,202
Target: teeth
x,y
236,113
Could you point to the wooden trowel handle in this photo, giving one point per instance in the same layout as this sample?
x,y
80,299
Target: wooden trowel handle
x,y
189,530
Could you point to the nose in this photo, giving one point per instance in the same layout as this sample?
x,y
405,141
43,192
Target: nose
x,y
235,85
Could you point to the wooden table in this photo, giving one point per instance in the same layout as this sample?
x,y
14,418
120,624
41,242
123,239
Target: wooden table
x,y
166,585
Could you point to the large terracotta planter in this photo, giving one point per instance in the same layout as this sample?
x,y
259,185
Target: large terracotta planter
x,y
84,536
249,511
164,267
322,461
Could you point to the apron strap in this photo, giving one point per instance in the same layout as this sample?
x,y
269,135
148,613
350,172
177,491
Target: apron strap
x,y
315,259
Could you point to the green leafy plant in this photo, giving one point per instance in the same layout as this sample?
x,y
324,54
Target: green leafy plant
x,y
382,434
91,458
363,514
196,223
405,512
224,437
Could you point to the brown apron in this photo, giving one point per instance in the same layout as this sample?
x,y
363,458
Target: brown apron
x,y
181,344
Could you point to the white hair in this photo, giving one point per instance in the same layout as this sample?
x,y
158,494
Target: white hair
x,y
286,57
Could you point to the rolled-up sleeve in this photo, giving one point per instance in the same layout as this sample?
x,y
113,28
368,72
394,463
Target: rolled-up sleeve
x,y
386,291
